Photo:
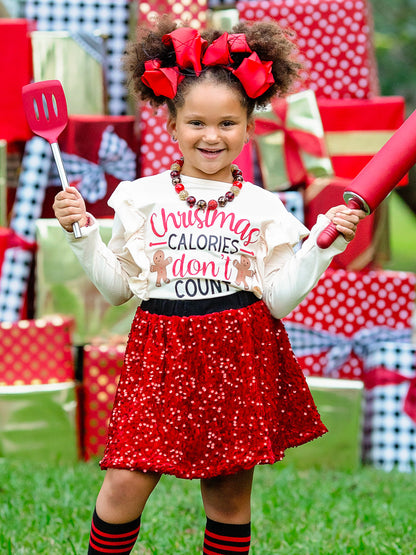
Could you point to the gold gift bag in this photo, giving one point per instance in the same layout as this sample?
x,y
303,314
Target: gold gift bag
x,y
77,60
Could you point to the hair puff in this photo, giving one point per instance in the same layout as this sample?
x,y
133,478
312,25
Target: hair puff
x,y
267,39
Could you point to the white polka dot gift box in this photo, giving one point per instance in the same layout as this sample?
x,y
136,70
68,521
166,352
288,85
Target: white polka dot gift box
x,y
389,423
334,38
346,313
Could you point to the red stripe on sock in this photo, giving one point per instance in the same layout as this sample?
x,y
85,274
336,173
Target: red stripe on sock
x,y
114,542
227,538
107,535
230,548
103,550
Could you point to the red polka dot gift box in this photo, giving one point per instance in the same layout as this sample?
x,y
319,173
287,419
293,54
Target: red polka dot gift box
x,y
34,352
334,38
347,312
102,365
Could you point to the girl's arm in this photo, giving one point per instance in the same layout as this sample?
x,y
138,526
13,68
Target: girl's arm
x,y
109,271
290,276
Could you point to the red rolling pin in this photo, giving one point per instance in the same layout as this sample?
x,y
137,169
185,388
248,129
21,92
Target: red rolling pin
x,y
380,176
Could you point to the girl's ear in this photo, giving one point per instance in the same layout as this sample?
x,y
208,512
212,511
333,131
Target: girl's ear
x,y
250,129
171,126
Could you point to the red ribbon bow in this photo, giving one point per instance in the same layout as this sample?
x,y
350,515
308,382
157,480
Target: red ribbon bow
x,y
381,376
163,81
294,141
188,45
191,52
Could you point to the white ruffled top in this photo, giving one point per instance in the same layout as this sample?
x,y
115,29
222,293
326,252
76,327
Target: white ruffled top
x,y
162,248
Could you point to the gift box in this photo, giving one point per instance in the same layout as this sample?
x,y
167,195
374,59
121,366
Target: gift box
x,y
389,426
339,403
355,130
370,248
101,368
97,152
38,423
36,351
290,141
293,201
87,16
334,40
16,71
62,286
65,56
333,327
3,183
189,12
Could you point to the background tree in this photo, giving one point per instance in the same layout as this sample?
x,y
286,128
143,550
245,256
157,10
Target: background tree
x,y
395,46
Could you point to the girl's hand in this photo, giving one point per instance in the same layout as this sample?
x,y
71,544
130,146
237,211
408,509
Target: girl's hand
x,y
69,207
345,220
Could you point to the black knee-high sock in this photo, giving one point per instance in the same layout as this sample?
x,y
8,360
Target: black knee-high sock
x,y
226,539
112,538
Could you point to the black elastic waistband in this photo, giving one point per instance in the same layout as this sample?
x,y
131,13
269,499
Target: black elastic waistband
x,y
199,307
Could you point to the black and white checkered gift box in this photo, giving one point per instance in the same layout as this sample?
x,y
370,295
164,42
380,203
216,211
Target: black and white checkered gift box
x,y
389,412
108,17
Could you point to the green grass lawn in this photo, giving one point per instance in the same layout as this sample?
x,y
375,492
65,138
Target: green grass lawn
x,y
47,509
402,223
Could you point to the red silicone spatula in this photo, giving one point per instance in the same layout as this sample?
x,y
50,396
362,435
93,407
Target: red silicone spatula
x,y
47,115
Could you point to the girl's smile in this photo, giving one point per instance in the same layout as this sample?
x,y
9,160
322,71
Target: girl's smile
x,y
211,128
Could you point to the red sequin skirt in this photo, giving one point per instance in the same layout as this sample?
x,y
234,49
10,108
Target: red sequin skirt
x,y
203,396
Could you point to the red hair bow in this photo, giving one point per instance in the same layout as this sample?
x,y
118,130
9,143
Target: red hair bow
x,y
163,81
188,45
255,75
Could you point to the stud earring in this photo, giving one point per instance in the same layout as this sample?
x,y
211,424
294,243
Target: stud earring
x,y
174,139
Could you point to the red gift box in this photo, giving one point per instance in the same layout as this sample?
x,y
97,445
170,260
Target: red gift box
x,y
36,351
346,313
185,11
83,141
355,130
101,370
334,39
370,247
16,70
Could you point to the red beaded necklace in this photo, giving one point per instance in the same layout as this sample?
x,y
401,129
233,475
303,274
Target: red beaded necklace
x,y
175,174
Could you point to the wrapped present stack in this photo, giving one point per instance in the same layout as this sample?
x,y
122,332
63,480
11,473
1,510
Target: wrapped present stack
x,y
352,334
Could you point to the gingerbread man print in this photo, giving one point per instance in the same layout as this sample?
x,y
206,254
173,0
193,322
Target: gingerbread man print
x,y
159,266
244,271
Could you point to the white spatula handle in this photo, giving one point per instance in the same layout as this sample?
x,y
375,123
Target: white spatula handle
x,y
64,181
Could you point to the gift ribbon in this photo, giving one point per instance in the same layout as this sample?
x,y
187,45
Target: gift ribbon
x,y
294,140
382,376
307,341
115,157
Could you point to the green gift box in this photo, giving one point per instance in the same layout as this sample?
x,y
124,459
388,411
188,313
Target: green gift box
x,y
76,59
62,287
339,403
290,142
39,422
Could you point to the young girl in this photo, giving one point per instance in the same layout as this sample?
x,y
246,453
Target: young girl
x,y
210,387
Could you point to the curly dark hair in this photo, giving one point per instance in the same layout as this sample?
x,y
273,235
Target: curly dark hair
x,y
267,39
